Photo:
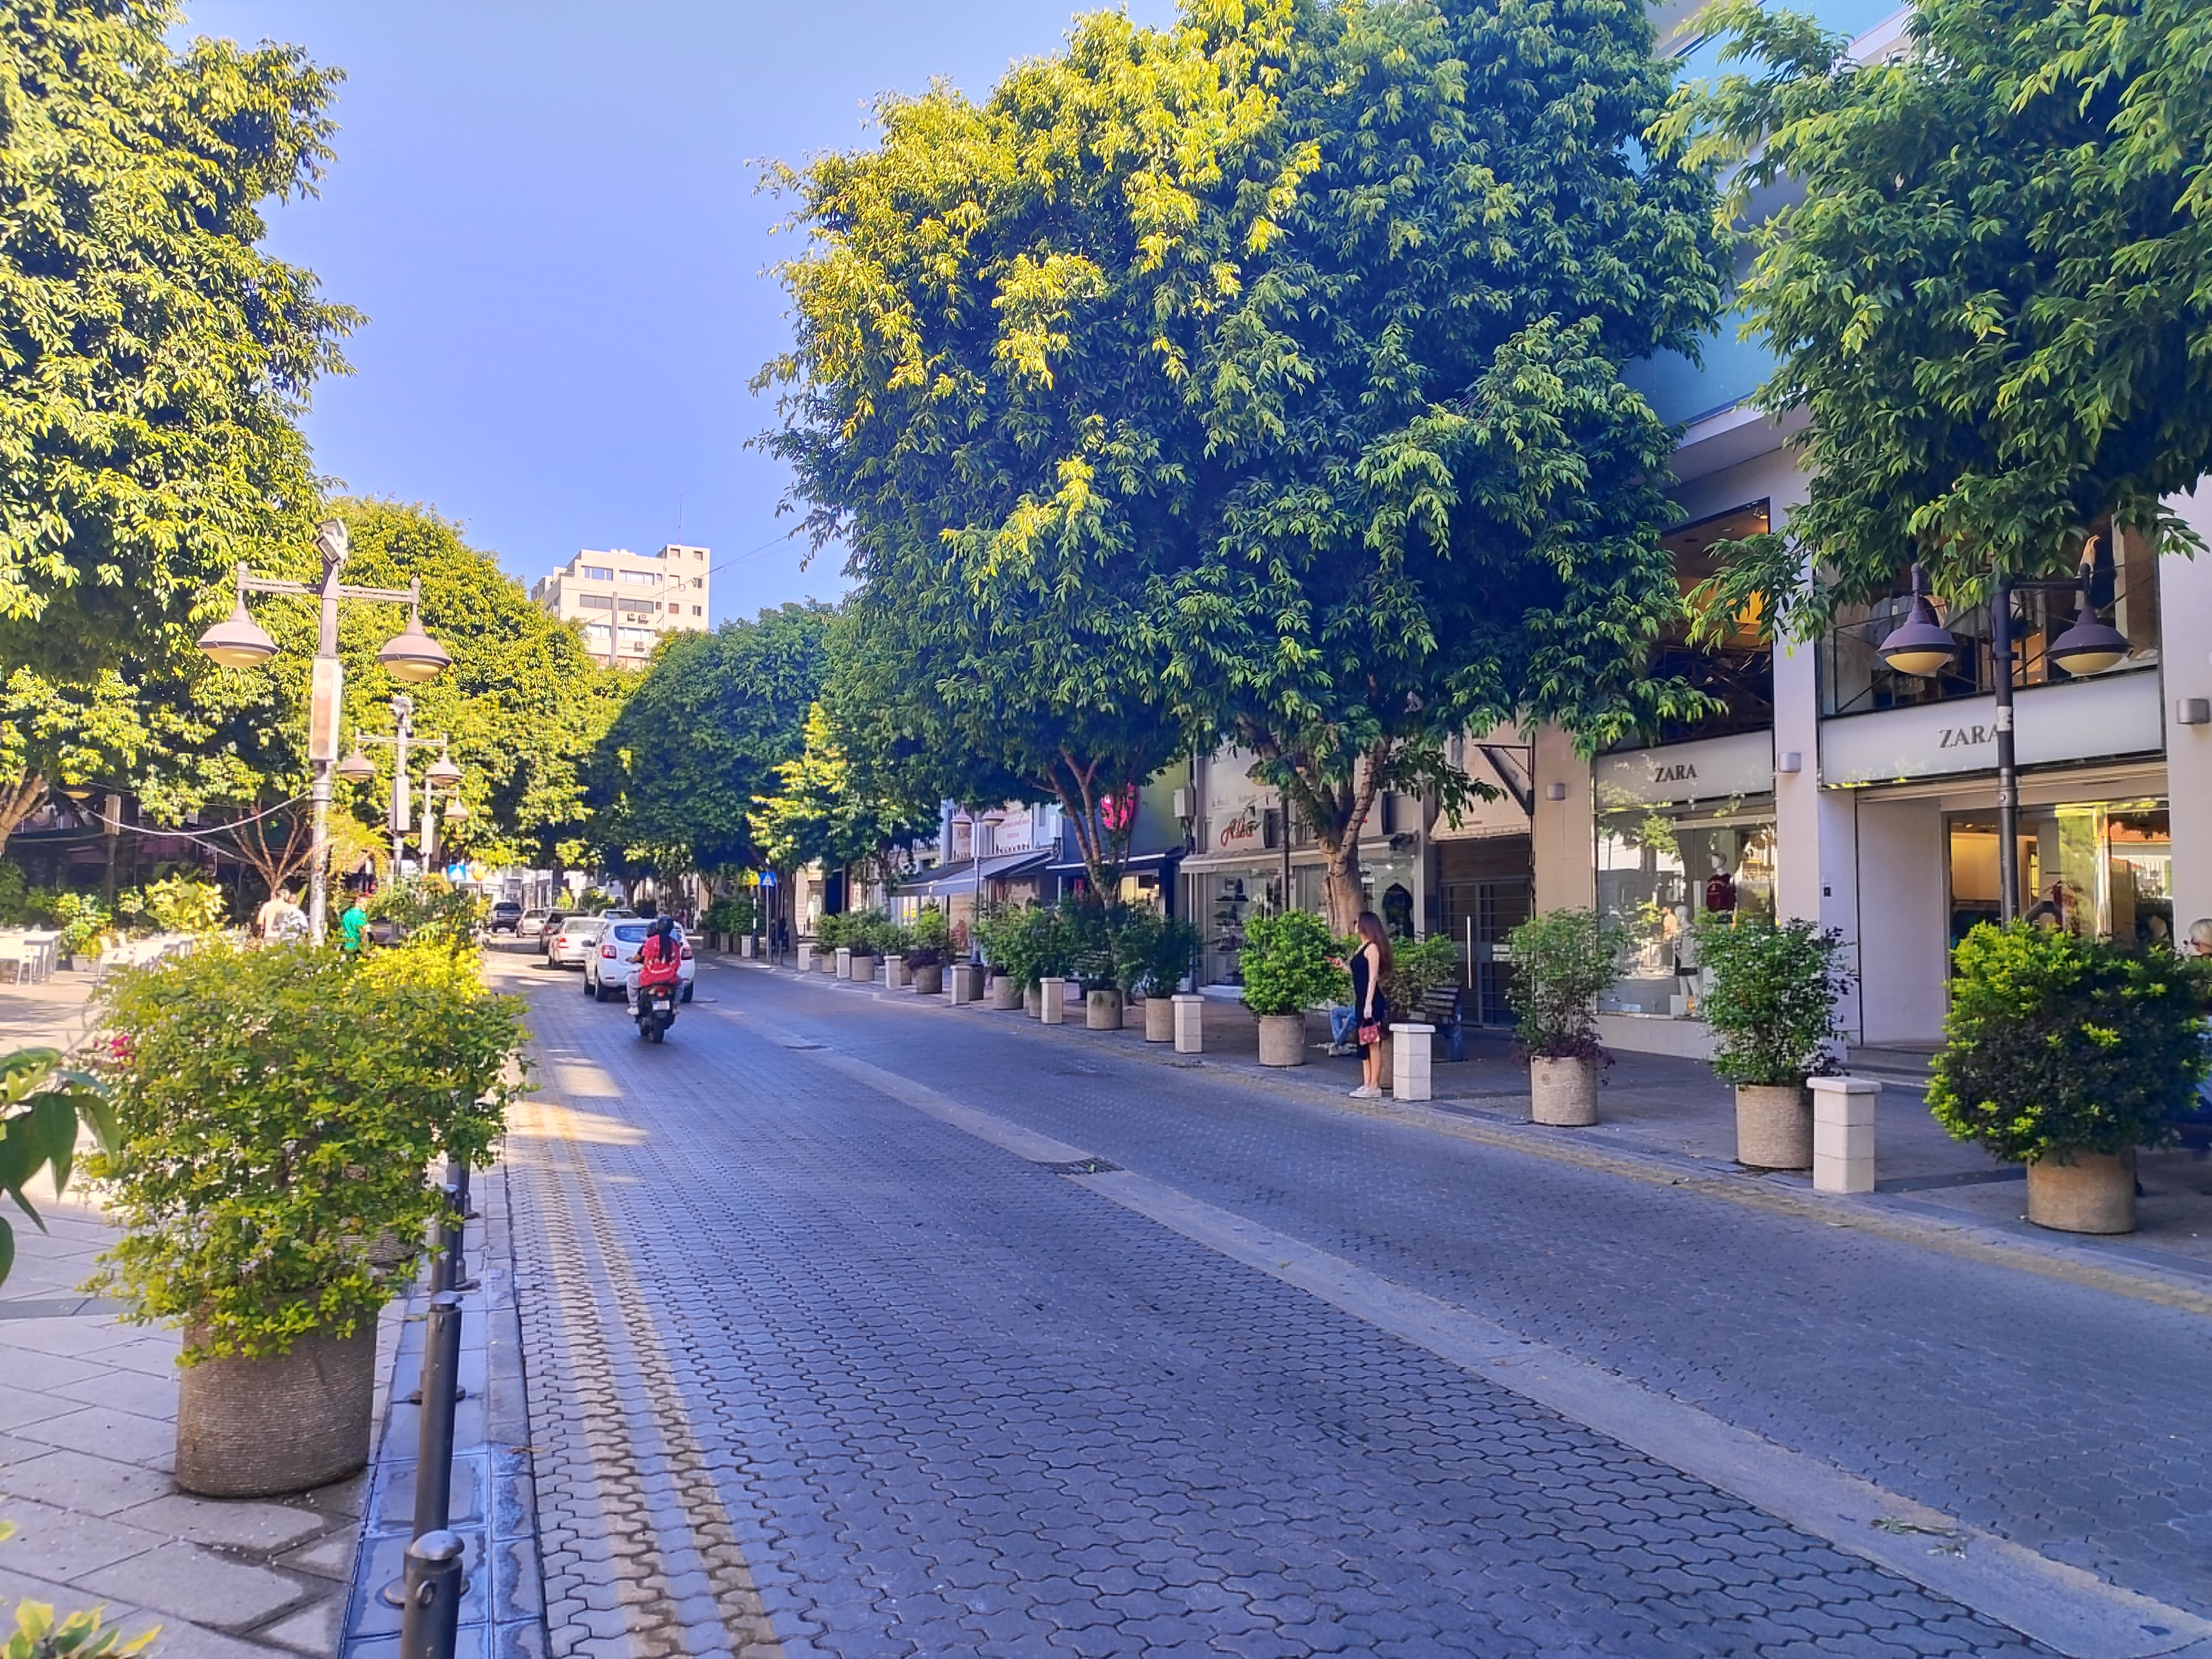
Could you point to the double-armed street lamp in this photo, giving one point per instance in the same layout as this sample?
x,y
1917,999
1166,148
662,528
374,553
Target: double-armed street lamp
x,y
1923,647
441,773
412,655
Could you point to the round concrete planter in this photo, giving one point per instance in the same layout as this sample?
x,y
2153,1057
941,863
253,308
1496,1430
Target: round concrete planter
x,y
1159,1019
2083,1192
827,962
1004,994
930,981
864,969
253,1428
1102,1010
1773,1126
1282,1039
1133,1013
1563,1092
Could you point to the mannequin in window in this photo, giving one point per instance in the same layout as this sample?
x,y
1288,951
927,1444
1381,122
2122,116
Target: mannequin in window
x,y
1685,957
1720,891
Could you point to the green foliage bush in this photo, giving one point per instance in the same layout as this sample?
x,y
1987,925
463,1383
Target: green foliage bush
x,y
1154,953
1292,961
2056,1044
38,1635
276,1112
1563,961
42,1100
431,910
177,904
1417,968
738,912
929,940
1031,943
83,921
1770,1004
866,931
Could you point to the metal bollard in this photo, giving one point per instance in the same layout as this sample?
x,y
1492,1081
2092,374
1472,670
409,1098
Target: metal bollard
x,y
434,1447
431,1620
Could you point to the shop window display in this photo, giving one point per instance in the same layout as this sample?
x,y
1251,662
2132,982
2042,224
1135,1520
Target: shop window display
x,y
1662,870
2098,869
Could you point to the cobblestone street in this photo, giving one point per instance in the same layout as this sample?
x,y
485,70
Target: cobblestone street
x,y
860,1325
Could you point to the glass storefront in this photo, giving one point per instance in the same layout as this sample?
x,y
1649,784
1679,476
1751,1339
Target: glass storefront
x,y
1661,869
1226,901
2099,869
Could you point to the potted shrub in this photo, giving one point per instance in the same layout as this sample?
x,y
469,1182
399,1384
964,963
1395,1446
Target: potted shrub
x,y
1290,963
932,943
829,940
897,944
863,929
276,1112
1563,961
1418,966
2066,1055
1770,995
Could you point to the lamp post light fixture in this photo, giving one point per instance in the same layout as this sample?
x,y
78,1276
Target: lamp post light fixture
x,y
238,642
1921,646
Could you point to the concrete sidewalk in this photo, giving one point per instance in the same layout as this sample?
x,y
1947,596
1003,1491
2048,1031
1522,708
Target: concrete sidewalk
x,y
87,1421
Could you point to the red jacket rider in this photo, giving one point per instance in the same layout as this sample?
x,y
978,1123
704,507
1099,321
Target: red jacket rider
x,y
657,958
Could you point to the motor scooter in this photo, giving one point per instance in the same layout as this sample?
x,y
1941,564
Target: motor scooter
x,y
656,1011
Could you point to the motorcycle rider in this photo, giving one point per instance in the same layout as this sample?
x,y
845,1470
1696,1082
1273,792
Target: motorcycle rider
x,y
657,960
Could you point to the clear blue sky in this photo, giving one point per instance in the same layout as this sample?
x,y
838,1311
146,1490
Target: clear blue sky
x,y
547,210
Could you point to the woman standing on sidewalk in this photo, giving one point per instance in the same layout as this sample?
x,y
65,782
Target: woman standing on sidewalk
x,y
1369,964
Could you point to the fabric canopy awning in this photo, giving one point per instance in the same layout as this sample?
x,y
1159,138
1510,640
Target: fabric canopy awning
x,y
1135,864
961,876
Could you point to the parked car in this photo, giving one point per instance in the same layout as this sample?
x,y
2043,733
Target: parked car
x,y
505,916
613,959
532,924
574,942
554,921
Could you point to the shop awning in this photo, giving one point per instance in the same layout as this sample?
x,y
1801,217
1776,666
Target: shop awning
x,y
1135,864
961,876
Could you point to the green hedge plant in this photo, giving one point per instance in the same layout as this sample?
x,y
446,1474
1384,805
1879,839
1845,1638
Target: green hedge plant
x,y
928,939
1290,963
1562,962
1417,968
2056,1045
277,1112
1771,998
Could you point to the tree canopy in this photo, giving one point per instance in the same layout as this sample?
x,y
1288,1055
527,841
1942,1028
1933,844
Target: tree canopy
x,y
1259,377
674,779
152,360
1990,282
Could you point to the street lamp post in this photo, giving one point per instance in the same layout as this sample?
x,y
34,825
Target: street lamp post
x,y
239,642
1922,647
442,774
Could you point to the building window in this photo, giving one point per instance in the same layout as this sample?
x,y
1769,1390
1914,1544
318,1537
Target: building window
x,y
598,572
2101,869
1662,869
597,633
698,582
1736,671
643,578
596,601
699,556
698,610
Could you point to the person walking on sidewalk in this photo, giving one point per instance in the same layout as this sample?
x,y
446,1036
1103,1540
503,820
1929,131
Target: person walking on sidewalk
x,y
1369,964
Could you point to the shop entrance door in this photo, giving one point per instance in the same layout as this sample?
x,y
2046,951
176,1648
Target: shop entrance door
x,y
1479,914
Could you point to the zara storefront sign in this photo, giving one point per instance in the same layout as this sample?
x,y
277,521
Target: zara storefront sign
x,y
2097,719
1712,769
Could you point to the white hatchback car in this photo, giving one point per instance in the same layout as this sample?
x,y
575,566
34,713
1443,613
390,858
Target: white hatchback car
x,y
572,944
614,960
531,924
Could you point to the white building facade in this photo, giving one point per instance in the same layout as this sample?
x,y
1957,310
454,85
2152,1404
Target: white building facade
x,y
626,601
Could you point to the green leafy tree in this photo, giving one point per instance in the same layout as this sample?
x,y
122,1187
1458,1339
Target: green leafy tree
x,y
1259,377
155,360
821,810
1985,285
675,778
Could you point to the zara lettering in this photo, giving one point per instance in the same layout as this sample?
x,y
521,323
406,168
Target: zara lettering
x,y
1683,772
1965,736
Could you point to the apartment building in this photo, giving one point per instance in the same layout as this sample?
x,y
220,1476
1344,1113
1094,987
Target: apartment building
x,y
626,601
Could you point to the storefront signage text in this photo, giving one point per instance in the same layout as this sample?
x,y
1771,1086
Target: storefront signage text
x,y
1242,829
1711,769
2107,717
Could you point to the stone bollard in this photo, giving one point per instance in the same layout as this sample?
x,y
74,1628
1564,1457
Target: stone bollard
x,y
967,982
1412,1049
1189,1023
844,962
1843,1134
895,974
1052,998
746,943
806,959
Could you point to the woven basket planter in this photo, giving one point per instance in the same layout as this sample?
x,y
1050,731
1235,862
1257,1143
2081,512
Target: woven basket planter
x,y
254,1428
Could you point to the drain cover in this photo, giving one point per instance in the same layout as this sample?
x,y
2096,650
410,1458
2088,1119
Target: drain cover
x,y
1080,1166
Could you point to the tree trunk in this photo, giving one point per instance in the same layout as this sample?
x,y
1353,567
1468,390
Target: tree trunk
x,y
17,800
1341,885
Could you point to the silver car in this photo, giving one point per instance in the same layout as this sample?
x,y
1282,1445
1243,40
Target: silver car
x,y
573,941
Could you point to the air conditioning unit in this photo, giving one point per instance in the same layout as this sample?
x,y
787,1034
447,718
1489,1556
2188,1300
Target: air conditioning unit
x,y
1183,806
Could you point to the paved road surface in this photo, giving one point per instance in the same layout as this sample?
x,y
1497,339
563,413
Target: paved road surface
x,y
828,1359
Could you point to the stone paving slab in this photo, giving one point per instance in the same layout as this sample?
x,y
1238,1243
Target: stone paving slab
x,y
821,1375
